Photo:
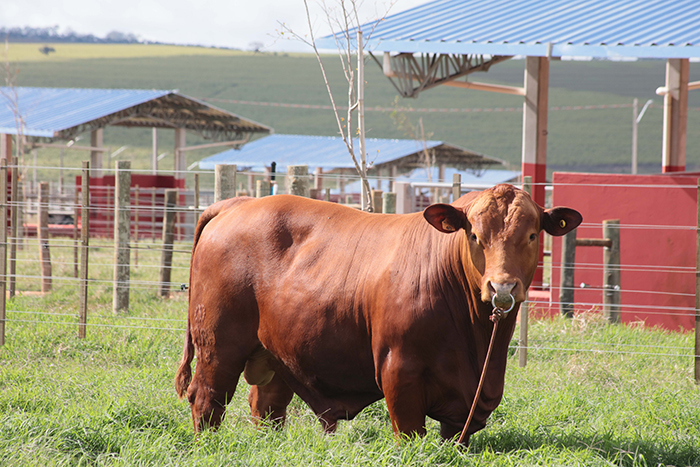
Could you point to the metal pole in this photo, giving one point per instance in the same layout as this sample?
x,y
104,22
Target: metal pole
x,y
84,248
14,202
3,245
635,124
697,292
524,312
166,258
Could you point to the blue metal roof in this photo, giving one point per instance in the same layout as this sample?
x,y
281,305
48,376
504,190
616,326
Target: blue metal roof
x,y
327,152
594,28
64,112
47,111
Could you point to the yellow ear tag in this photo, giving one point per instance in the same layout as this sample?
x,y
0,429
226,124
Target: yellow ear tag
x,y
562,223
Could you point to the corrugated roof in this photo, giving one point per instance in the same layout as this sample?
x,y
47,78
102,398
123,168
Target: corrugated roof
x,y
595,28
329,153
65,112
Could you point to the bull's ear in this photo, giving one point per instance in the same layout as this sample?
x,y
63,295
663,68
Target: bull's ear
x,y
445,218
560,221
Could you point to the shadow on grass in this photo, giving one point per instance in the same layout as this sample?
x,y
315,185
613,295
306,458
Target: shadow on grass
x,y
618,449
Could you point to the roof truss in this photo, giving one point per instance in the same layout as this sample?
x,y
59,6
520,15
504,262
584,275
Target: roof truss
x,y
429,70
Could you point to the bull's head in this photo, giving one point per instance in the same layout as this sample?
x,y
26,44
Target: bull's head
x,y
501,228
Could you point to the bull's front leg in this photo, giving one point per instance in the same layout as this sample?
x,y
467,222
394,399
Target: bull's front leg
x,y
404,391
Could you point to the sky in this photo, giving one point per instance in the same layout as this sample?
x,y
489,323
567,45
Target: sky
x,y
220,23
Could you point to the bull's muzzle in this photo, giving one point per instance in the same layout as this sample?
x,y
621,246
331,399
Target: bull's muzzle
x,y
502,295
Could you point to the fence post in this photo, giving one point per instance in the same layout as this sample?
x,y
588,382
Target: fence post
x,y
298,180
153,215
84,248
456,186
568,264
388,202
224,182
697,292
262,188
3,245
166,258
524,312
13,226
611,271
136,226
76,213
122,234
43,236
377,201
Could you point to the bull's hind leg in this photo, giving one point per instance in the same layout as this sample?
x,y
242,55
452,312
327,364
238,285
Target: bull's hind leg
x,y
268,403
221,358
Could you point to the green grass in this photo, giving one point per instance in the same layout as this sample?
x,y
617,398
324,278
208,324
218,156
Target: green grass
x,y
109,399
584,140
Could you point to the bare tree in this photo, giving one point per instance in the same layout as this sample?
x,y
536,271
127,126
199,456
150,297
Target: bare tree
x,y
10,97
348,24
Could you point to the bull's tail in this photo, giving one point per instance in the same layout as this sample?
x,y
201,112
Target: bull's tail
x,y
184,372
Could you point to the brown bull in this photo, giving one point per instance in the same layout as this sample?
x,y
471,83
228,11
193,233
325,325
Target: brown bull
x,y
344,307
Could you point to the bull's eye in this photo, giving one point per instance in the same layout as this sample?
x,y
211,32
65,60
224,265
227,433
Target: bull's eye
x,y
533,237
473,238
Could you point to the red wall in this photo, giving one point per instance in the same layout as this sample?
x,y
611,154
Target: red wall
x,y
657,216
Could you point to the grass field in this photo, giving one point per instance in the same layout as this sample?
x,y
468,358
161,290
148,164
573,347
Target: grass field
x,y
578,140
591,394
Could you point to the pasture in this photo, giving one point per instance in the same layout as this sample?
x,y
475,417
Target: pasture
x,y
596,139
591,394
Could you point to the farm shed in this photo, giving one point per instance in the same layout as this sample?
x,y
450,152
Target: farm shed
x,y
444,41
47,115
387,158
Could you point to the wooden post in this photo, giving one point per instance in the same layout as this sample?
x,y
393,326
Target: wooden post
x,y
43,235
122,230
224,182
456,187
524,312
388,203
3,244
377,201
136,226
697,291
76,214
298,180
262,188
84,248
96,141
14,204
568,264
611,271
166,258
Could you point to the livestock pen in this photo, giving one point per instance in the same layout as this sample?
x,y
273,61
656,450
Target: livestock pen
x,y
591,394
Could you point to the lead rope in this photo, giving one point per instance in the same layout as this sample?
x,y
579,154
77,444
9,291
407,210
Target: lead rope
x,y
496,316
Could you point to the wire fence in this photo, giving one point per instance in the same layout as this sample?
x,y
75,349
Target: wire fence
x,y
645,297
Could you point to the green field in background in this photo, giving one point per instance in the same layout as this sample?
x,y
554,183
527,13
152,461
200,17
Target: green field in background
x,y
579,140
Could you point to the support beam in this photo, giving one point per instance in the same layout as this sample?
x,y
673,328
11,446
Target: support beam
x,y
5,146
96,141
180,160
675,115
154,153
535,124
